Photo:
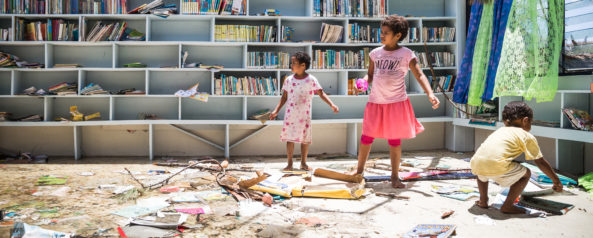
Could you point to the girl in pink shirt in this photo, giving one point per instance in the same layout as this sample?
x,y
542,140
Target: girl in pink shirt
x,y
389,113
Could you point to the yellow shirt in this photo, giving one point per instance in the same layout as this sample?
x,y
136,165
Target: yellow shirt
x,y
495,155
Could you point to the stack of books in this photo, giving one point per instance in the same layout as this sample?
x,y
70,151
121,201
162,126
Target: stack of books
x,y
439,34
446,82
213,7
47,30
5,34
364,34
22,7
268,60
113,32
438,59
93,89
245,33
11,61
63,89
248,85
341,8
286,33
579,119
331,33
341,59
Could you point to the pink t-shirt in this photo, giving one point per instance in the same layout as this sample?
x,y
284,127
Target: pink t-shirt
x,y
389,84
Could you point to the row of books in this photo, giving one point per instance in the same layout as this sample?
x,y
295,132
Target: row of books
x,y
5,34
446,82
113,32
47,30
352,85
245,33
413,36
439,34
286,33
438,59
331,33
268,60
88,6
214,7
341,59
22,6
352,8
364,34
248,85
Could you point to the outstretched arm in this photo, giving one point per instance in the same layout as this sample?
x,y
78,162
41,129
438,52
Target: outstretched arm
x,y
326,99
423,81
280,105
547,169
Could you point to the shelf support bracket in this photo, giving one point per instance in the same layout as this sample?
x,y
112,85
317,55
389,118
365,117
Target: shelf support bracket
x,y
197,137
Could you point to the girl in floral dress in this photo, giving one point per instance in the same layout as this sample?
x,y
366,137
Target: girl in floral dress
x,y
298,90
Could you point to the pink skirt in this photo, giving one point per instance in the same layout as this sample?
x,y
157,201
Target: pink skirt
x,y
390,121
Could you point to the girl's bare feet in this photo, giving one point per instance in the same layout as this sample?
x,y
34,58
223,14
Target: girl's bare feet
x,y
287,168
305,167
482,204
512,209
396,183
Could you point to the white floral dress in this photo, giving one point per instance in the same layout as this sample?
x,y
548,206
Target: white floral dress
x,y
297,118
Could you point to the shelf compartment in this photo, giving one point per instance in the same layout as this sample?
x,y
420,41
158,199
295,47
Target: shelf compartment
x,y
291,50
42,79
413,86
286,8
180,29
244,21
32,53
257,103
5,82
227,56
240,74
169,82
138,24
318,51
580,101
22,106
331,82
545,111
350,108
308,29
217,108
129,108
423,108
114,81
438,8
90,56
60,106
154,56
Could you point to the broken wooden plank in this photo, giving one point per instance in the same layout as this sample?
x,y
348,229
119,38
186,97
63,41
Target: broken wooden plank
x,y
332,174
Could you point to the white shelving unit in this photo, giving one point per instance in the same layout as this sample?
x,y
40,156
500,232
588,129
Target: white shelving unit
x,y
166,40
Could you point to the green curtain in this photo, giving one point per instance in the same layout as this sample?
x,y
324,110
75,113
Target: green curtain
x,y
528,64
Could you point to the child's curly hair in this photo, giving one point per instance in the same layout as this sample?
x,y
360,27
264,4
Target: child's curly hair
x,y
397,24
516,110
303,58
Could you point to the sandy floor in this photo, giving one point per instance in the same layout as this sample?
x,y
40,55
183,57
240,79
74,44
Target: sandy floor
x,y
86,210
